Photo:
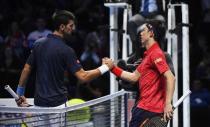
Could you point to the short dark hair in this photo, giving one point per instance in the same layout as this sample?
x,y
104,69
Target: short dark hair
x,y
62,17
159,30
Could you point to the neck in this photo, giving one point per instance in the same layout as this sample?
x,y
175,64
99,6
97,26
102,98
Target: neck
x,y
58,33
150,42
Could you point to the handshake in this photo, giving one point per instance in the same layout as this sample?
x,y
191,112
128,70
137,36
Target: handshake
x,y
108,64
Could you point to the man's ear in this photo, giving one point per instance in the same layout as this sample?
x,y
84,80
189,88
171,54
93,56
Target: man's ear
x,y
152,34
62,27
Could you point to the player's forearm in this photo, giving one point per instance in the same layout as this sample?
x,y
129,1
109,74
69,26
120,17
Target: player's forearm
x,y
170,86
90,75
128,76
23,79
24,75
86,76
125,75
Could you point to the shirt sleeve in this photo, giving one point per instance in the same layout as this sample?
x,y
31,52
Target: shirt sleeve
x,y
73,64
31,59
159,61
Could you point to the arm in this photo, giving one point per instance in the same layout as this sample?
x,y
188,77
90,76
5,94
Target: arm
x,y
131,77
86,76
170,86
24,75
125,75
21,87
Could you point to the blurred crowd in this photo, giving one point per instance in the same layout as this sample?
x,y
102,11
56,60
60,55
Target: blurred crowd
x,y
24,21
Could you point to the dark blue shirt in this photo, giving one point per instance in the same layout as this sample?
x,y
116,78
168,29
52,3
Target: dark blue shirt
x,y
50,58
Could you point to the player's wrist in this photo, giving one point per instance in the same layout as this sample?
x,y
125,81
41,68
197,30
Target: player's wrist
x,y
103,69
117,71
20,90
168,103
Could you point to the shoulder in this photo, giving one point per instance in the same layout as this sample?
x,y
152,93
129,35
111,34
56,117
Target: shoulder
x,y
39,42
65,48
157,52
69,49
157,55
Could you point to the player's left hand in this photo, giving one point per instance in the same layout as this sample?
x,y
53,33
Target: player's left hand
x,y
21,102
168,112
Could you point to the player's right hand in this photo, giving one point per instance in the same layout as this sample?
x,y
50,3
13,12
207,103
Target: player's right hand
x,y
21,102
109,62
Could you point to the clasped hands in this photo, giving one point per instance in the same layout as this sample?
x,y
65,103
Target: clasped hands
x,y
109,62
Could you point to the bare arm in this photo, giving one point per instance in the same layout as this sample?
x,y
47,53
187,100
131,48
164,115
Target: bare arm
x,y
170,86
21,87
125,75
25,75
130,76
86,76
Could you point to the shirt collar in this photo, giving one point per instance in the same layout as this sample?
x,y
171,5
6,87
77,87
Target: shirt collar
x,y
56,37
154,46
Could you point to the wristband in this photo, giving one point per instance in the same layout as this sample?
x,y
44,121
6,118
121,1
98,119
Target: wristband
x,y
103,69
117,71
20,90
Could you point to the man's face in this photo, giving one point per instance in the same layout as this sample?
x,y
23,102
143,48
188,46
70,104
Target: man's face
x,y
145,34
69,27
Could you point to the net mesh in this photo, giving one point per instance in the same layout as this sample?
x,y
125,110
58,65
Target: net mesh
x,y
102,112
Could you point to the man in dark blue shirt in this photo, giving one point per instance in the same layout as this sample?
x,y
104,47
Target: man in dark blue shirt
x,y
50,58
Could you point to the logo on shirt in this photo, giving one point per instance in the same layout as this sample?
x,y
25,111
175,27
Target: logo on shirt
x,y
158,60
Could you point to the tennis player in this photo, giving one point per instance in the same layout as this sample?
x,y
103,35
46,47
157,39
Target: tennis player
x,y
156,81
49,59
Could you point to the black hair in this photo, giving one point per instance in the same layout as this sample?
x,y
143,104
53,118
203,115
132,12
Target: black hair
x,y
62,17
159,30
149,27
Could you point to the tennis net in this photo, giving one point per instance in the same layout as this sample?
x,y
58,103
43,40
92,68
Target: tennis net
x,y
106,111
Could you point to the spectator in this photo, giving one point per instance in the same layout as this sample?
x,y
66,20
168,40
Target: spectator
x,y
90,59
16,40
39,33
200,104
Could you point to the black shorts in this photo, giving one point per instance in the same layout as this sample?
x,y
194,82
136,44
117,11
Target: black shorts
x,y
139,116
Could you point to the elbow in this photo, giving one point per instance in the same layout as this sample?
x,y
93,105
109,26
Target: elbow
x,y
173,78
83,80
133,80
27,70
